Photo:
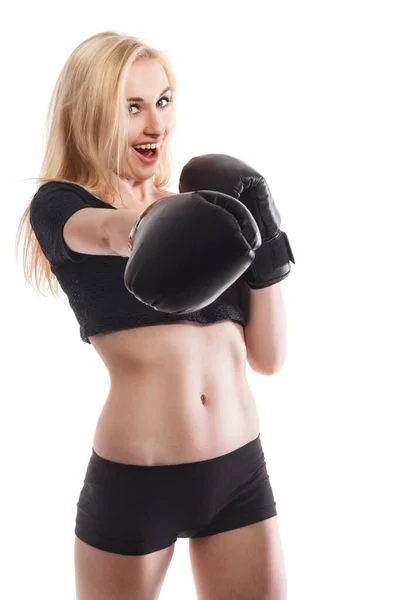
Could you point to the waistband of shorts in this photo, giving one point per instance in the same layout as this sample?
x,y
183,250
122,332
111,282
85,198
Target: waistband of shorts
x,y
249,452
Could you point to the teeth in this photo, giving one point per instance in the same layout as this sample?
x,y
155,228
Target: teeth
x,y
148,146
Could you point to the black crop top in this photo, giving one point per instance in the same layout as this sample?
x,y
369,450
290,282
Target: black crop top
x,y
94,284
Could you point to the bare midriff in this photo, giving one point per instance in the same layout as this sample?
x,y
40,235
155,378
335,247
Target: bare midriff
x,y
178,393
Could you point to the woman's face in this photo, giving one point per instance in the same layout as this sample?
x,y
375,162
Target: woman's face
x,y
150,115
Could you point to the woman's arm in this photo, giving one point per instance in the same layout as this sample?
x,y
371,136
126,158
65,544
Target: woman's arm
x,y
117,226
265,331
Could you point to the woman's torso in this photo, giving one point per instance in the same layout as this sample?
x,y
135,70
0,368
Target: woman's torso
x,y
178,393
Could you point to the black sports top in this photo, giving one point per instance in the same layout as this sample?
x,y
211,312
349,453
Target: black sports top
x,y
94,284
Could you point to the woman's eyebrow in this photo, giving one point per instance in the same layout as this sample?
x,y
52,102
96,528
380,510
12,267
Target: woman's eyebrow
x,y
141,99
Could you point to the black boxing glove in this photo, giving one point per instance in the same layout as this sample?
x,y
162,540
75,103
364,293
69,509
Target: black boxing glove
x,y
232,176
187,249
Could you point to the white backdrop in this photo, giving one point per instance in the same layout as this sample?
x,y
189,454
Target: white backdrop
x,y
307,93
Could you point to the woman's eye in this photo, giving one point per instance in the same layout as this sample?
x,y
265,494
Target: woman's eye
x,y
168,100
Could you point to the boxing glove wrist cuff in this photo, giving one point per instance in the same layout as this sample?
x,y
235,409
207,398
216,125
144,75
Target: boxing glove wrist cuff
x,y
271,263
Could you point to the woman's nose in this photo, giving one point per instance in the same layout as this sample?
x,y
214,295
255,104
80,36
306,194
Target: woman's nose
x,y
154,122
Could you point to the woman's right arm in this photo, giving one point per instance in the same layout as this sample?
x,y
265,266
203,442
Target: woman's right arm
x,y
117,227
100,231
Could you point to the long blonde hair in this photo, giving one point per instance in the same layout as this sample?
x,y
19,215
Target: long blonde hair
x,y
86,132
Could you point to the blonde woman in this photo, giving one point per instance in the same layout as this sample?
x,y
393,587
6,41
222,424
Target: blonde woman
x,y
177,450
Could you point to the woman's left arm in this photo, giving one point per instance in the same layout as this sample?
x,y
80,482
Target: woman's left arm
x,y
265,330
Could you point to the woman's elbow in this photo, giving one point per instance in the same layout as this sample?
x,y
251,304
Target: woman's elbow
x,y
264,369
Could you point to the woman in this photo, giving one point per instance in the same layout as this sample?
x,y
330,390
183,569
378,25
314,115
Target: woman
x,y
176,451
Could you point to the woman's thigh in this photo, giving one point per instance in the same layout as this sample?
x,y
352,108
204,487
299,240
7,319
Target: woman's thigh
x,y
247,562
101,575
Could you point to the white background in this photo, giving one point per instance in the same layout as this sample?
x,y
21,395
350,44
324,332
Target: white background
x,y
307,93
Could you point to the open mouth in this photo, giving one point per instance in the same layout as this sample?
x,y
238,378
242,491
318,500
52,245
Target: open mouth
x,y
148,155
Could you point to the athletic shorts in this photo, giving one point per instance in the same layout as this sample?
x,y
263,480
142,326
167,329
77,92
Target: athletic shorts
x,y
137,509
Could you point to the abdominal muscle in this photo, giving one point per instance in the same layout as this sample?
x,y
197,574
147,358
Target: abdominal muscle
x,y
178,393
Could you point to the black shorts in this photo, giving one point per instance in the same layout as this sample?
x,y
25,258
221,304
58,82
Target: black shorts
x,y
137,509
